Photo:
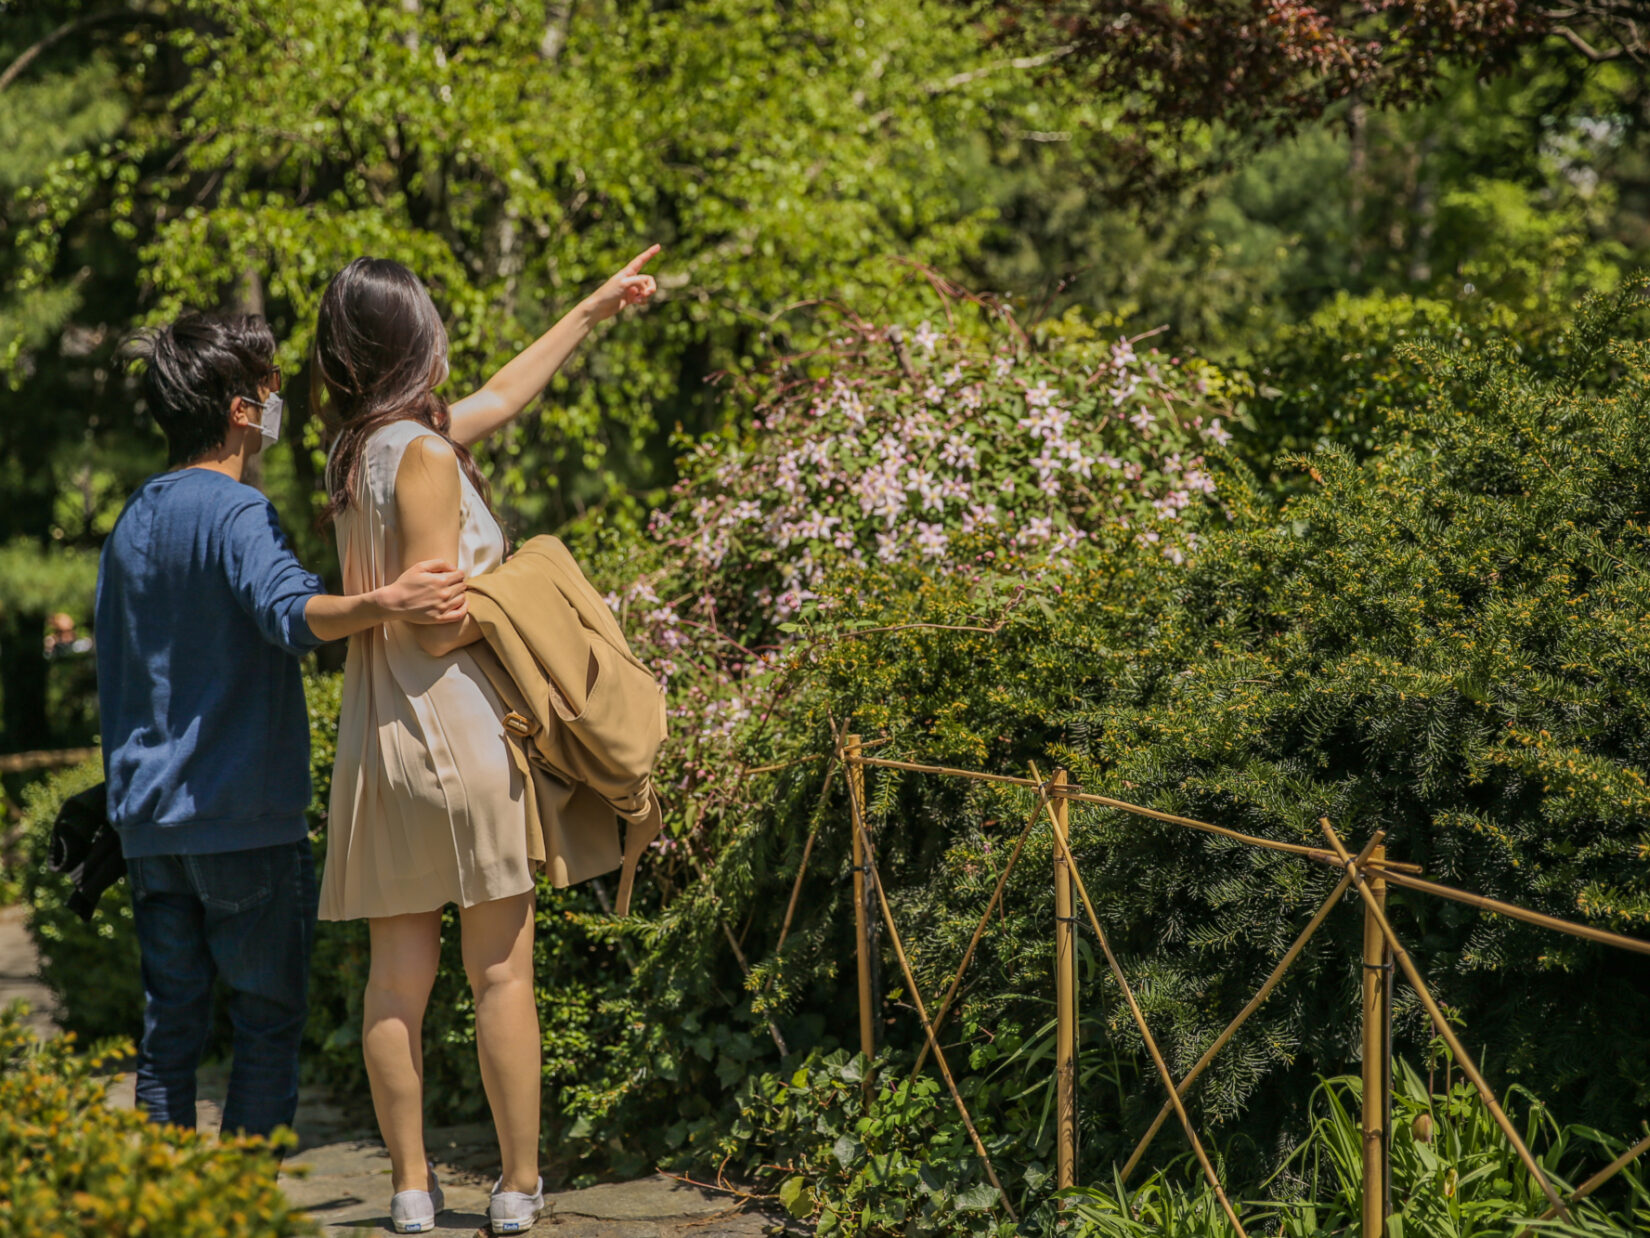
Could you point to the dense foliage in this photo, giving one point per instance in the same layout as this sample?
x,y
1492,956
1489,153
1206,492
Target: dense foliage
x,y
72,1167
1435,641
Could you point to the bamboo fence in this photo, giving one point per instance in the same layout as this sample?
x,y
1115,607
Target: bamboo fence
x,y
1371,873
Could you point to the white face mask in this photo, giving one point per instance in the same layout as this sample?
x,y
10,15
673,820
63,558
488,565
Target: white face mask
x,y
269,428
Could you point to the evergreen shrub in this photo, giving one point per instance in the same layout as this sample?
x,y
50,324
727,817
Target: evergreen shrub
x,y
72,1167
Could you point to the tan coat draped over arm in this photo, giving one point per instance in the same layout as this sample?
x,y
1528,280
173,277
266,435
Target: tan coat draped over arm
x,y
587,715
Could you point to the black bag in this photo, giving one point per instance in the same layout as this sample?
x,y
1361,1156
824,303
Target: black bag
x,y
86,848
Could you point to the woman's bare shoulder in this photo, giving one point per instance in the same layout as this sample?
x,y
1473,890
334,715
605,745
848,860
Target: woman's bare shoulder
x,y
428,473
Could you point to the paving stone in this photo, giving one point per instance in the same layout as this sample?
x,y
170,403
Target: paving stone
x,y
20,972
647,1199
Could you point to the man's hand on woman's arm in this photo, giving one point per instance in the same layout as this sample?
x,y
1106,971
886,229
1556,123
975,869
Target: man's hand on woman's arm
x,y
431,592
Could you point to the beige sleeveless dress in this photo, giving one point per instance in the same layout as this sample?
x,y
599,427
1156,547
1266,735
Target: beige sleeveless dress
x,y
427,806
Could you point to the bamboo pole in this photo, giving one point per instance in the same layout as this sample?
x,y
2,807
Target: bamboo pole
x,y
1065,1000
1319,854
863,834
1377,1051
1140,1020
1442,1024
1603,936
807,851
1600,1178
854,761
974,941
1255,1002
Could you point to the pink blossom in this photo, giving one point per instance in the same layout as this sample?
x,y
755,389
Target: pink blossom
x,y
1038,529
1041,395
931,540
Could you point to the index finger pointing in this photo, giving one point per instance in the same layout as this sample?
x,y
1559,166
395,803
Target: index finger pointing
x,y
641,260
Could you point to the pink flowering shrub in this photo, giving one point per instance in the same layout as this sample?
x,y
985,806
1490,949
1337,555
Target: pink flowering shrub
x,y
988,459
1022,455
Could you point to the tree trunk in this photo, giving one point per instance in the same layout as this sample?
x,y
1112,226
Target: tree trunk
x,y
558,15
249,299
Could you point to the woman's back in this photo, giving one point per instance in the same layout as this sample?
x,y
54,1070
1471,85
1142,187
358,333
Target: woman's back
x,y
427,807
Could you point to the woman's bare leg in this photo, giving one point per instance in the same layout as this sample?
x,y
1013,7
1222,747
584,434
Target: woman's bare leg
x,y
405,953
498,958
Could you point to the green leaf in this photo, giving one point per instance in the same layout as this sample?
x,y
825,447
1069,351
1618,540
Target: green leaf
x,y
977,1198
796,1198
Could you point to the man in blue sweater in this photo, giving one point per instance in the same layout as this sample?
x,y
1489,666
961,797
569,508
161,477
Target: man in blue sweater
x,y
203,613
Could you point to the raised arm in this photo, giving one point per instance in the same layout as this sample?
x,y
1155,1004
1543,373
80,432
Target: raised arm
x,y
513,387
428,510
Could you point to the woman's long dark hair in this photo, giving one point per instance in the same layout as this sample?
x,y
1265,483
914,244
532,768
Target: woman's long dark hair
x,y
377,341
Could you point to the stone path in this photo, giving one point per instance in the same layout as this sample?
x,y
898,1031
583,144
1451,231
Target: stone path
x,y
18,968
341,1172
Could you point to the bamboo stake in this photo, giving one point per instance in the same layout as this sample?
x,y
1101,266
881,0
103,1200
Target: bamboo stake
x,y
1442,1024
1376,1059
864,835
1065,1001
852,758
1255,1003
1601,1177
807,851
1105,801
1603,936
973,942
1139,1018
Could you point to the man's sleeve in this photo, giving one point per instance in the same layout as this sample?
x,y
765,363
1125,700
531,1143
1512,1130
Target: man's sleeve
x,y
267,579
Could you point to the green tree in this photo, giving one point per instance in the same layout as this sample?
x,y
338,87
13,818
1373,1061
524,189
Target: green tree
x,y
69,444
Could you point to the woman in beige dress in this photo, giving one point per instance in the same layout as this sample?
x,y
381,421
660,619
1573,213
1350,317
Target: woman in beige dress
x,y
427,807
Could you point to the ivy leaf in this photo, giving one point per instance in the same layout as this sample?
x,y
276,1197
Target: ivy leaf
x,y
796,1198
847,1150
980,1197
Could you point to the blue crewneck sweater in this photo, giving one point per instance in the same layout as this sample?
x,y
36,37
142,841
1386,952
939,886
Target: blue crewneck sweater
x,y
200,626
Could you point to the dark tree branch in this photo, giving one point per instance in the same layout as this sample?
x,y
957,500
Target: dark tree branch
x,y
31,54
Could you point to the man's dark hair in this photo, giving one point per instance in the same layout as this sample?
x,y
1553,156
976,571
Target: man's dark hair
x,y
194,368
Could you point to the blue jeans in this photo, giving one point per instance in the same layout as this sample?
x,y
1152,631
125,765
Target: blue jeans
x,y
248,916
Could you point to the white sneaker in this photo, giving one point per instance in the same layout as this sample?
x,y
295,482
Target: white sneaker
x,y
512,1212
413,1212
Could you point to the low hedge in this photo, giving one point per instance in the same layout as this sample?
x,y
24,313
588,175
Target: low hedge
x,y
72,1166
91,968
